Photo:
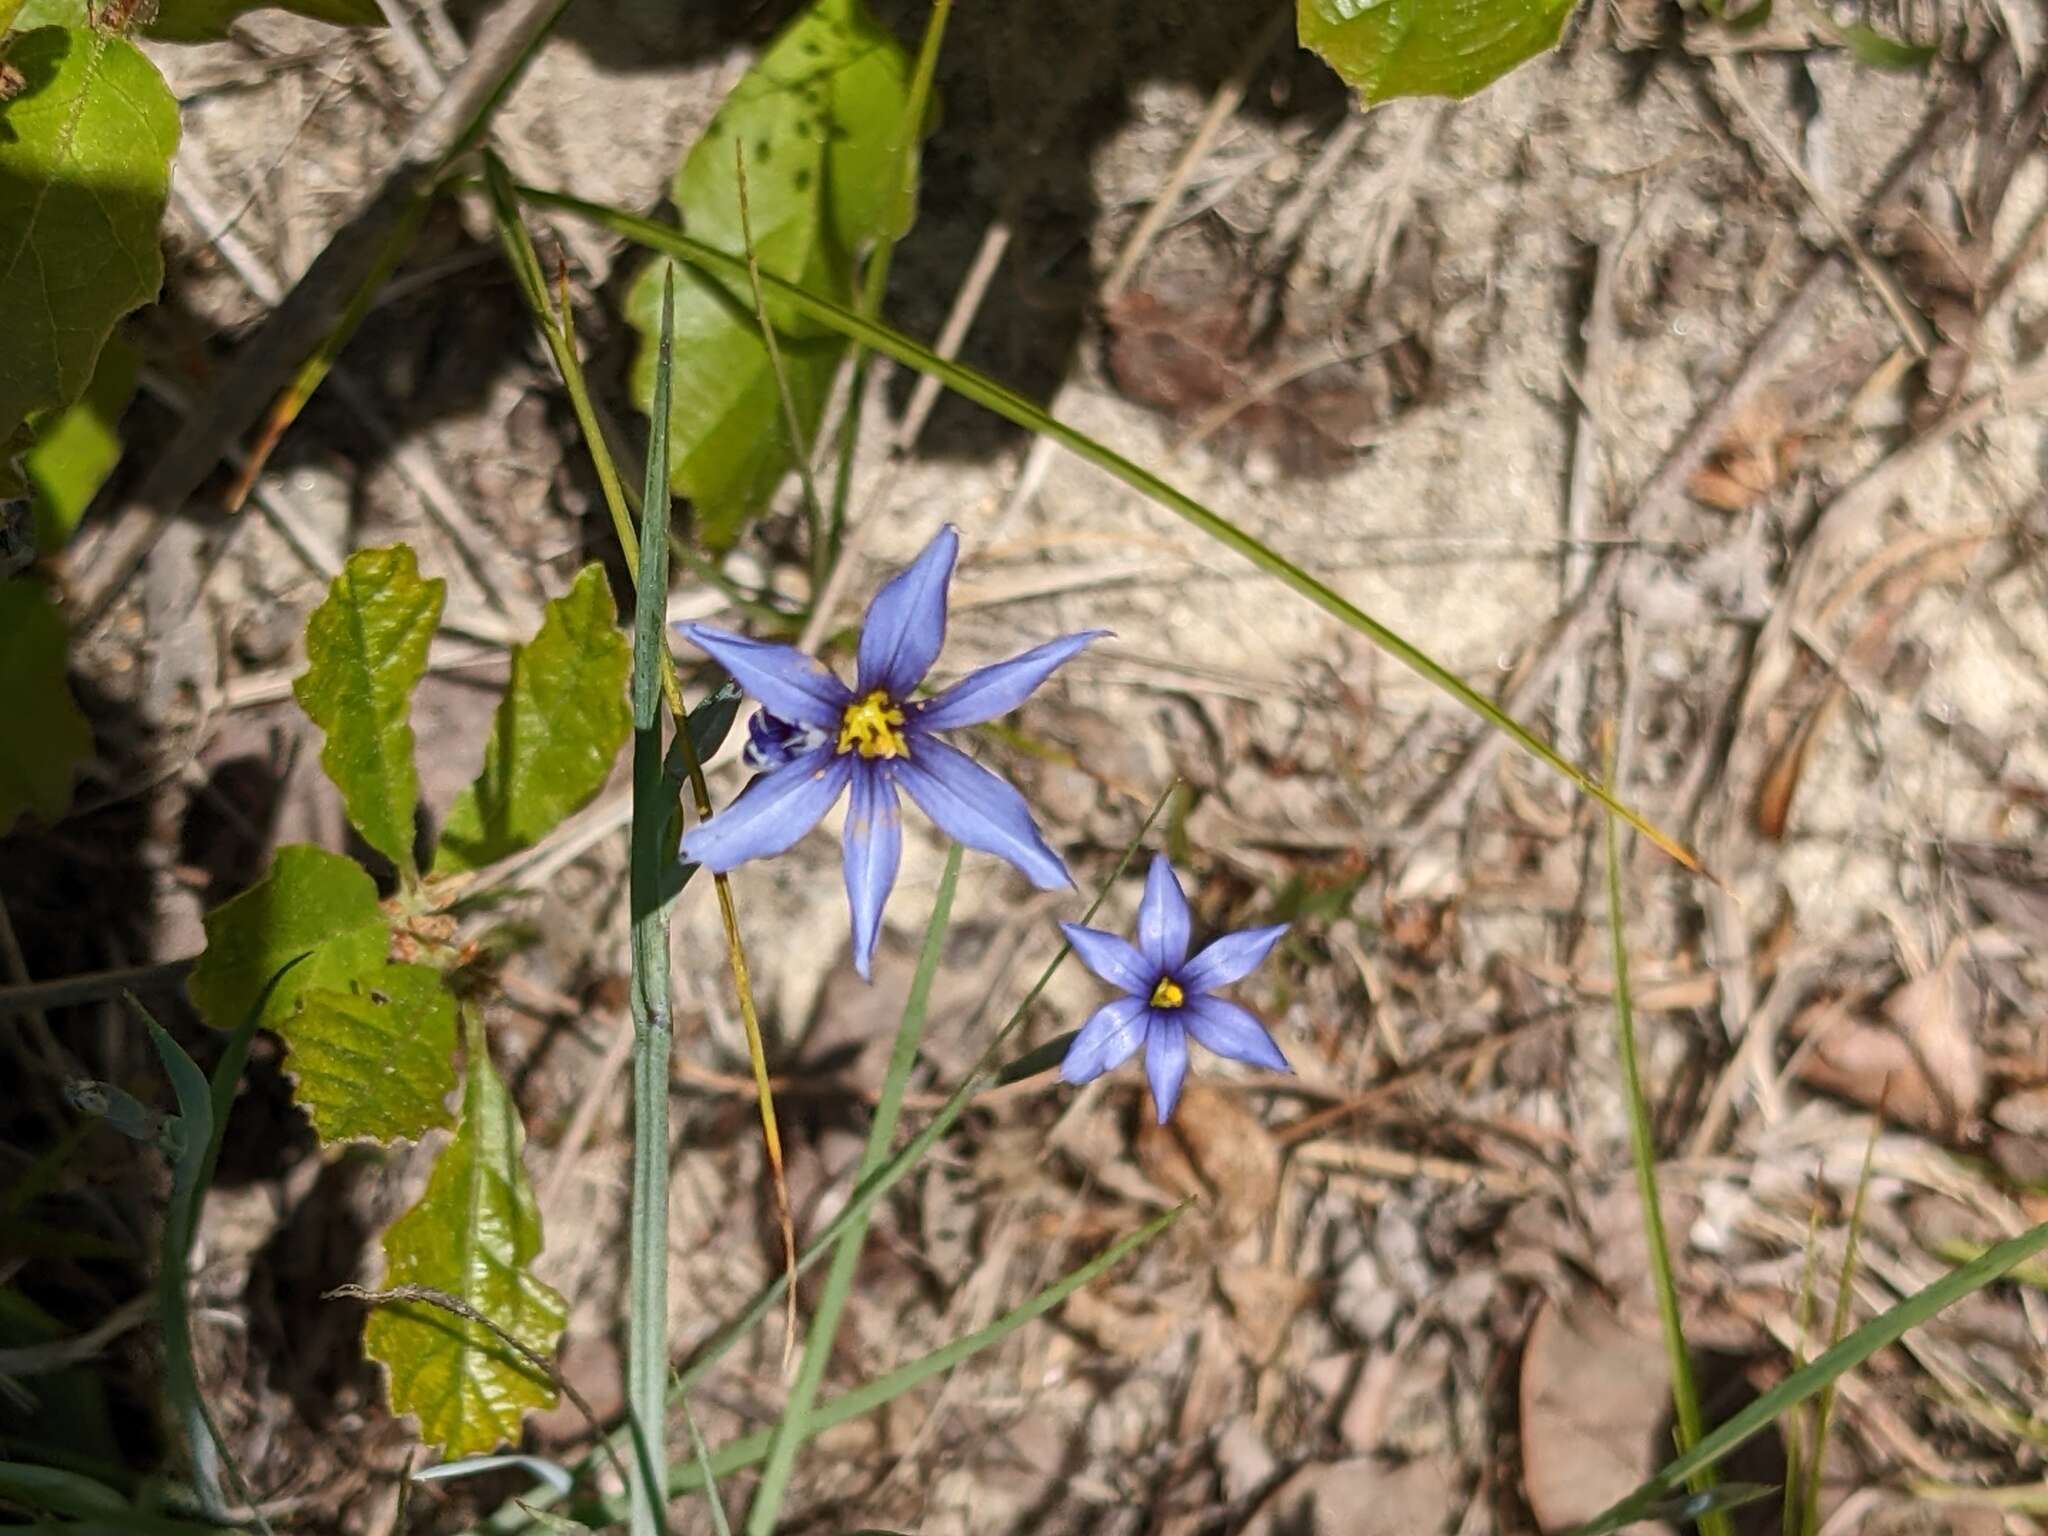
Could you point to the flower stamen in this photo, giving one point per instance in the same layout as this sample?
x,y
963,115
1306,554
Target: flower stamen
x,y
870,726
1168,994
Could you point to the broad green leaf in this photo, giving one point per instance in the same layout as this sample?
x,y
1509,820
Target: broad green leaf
x,y
472,1236
85,157
557,732
76,448
9,9
312,903
1872,47
45,738
367,650
819,119
1389,48
375,1061
203,21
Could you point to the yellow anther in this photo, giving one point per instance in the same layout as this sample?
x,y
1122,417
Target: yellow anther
x,y
870,726
1167,994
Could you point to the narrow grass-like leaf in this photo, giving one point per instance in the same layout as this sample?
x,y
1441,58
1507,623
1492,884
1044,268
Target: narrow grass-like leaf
x,y
817,116
556,734
366,649
1845,1292
46,737
1685,1396
1013,407
94,1506
1887,1328
473,1237
85,165
1390,48
314,904
653,850
719,1524
1873,48
794,1426
1040,1058
375,1060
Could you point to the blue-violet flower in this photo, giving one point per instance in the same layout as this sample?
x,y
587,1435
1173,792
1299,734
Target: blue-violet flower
x,y
1167,996
815,738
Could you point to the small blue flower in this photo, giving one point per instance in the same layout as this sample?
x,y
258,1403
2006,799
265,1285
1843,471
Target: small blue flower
x,y
1167,996
815,739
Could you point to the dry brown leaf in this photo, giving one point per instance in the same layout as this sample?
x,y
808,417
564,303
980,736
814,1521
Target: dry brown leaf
x,y
1264,1300
1214,1151
1363,1497
1131,1328
1868,1064
1939,1014
1595,1398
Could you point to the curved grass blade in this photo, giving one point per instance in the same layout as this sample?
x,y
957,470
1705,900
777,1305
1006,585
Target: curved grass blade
x,y
1007,403
1887,1328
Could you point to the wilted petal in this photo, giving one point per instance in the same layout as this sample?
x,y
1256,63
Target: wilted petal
x,y
1163,918
974,807
1231,958
771,813
797,687
1109,1038
997,690
772,742
1228,1030
1111,958
873,842
906,623
1166,1062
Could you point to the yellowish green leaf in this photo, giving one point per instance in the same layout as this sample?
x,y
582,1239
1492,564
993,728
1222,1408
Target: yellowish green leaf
x,y
375,1061
366,648
312,903
75,449
85,158
1389,48
557,732
472,1237
819,121
45,737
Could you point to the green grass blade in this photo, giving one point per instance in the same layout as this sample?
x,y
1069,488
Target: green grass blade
x,y
719,1524
1014,407
653,817
1887,1328
795,1426
1824,1405
1685,1397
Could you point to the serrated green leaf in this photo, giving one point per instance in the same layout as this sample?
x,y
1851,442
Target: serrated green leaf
x,y
45,738
557,732
819,119
1390,48
312,903
367,650
75,449
472,1236
1873,48
85,158
375,1061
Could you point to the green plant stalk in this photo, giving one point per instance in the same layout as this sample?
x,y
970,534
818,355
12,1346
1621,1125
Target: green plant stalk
x,y
1824,1405
1887,1328
702,1453
1795,1425
875,280
647,1282
794,1427
561,338
1685,1397
1008,404
868,1191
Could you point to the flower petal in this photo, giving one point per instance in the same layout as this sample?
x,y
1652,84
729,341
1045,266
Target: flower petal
x,y
974,807
997,690
1229,1030
1110,1038
771,813
1230,958
873,841
906,623
1166,1062
797,687
1112,959
1163,918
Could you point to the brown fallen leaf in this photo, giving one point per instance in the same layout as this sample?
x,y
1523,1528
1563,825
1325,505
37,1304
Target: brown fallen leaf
x,y
1214,1151
1596,1395
1362,1497
1264,1300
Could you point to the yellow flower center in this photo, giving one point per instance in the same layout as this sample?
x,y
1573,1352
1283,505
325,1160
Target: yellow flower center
x,y
869,726
1167,994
